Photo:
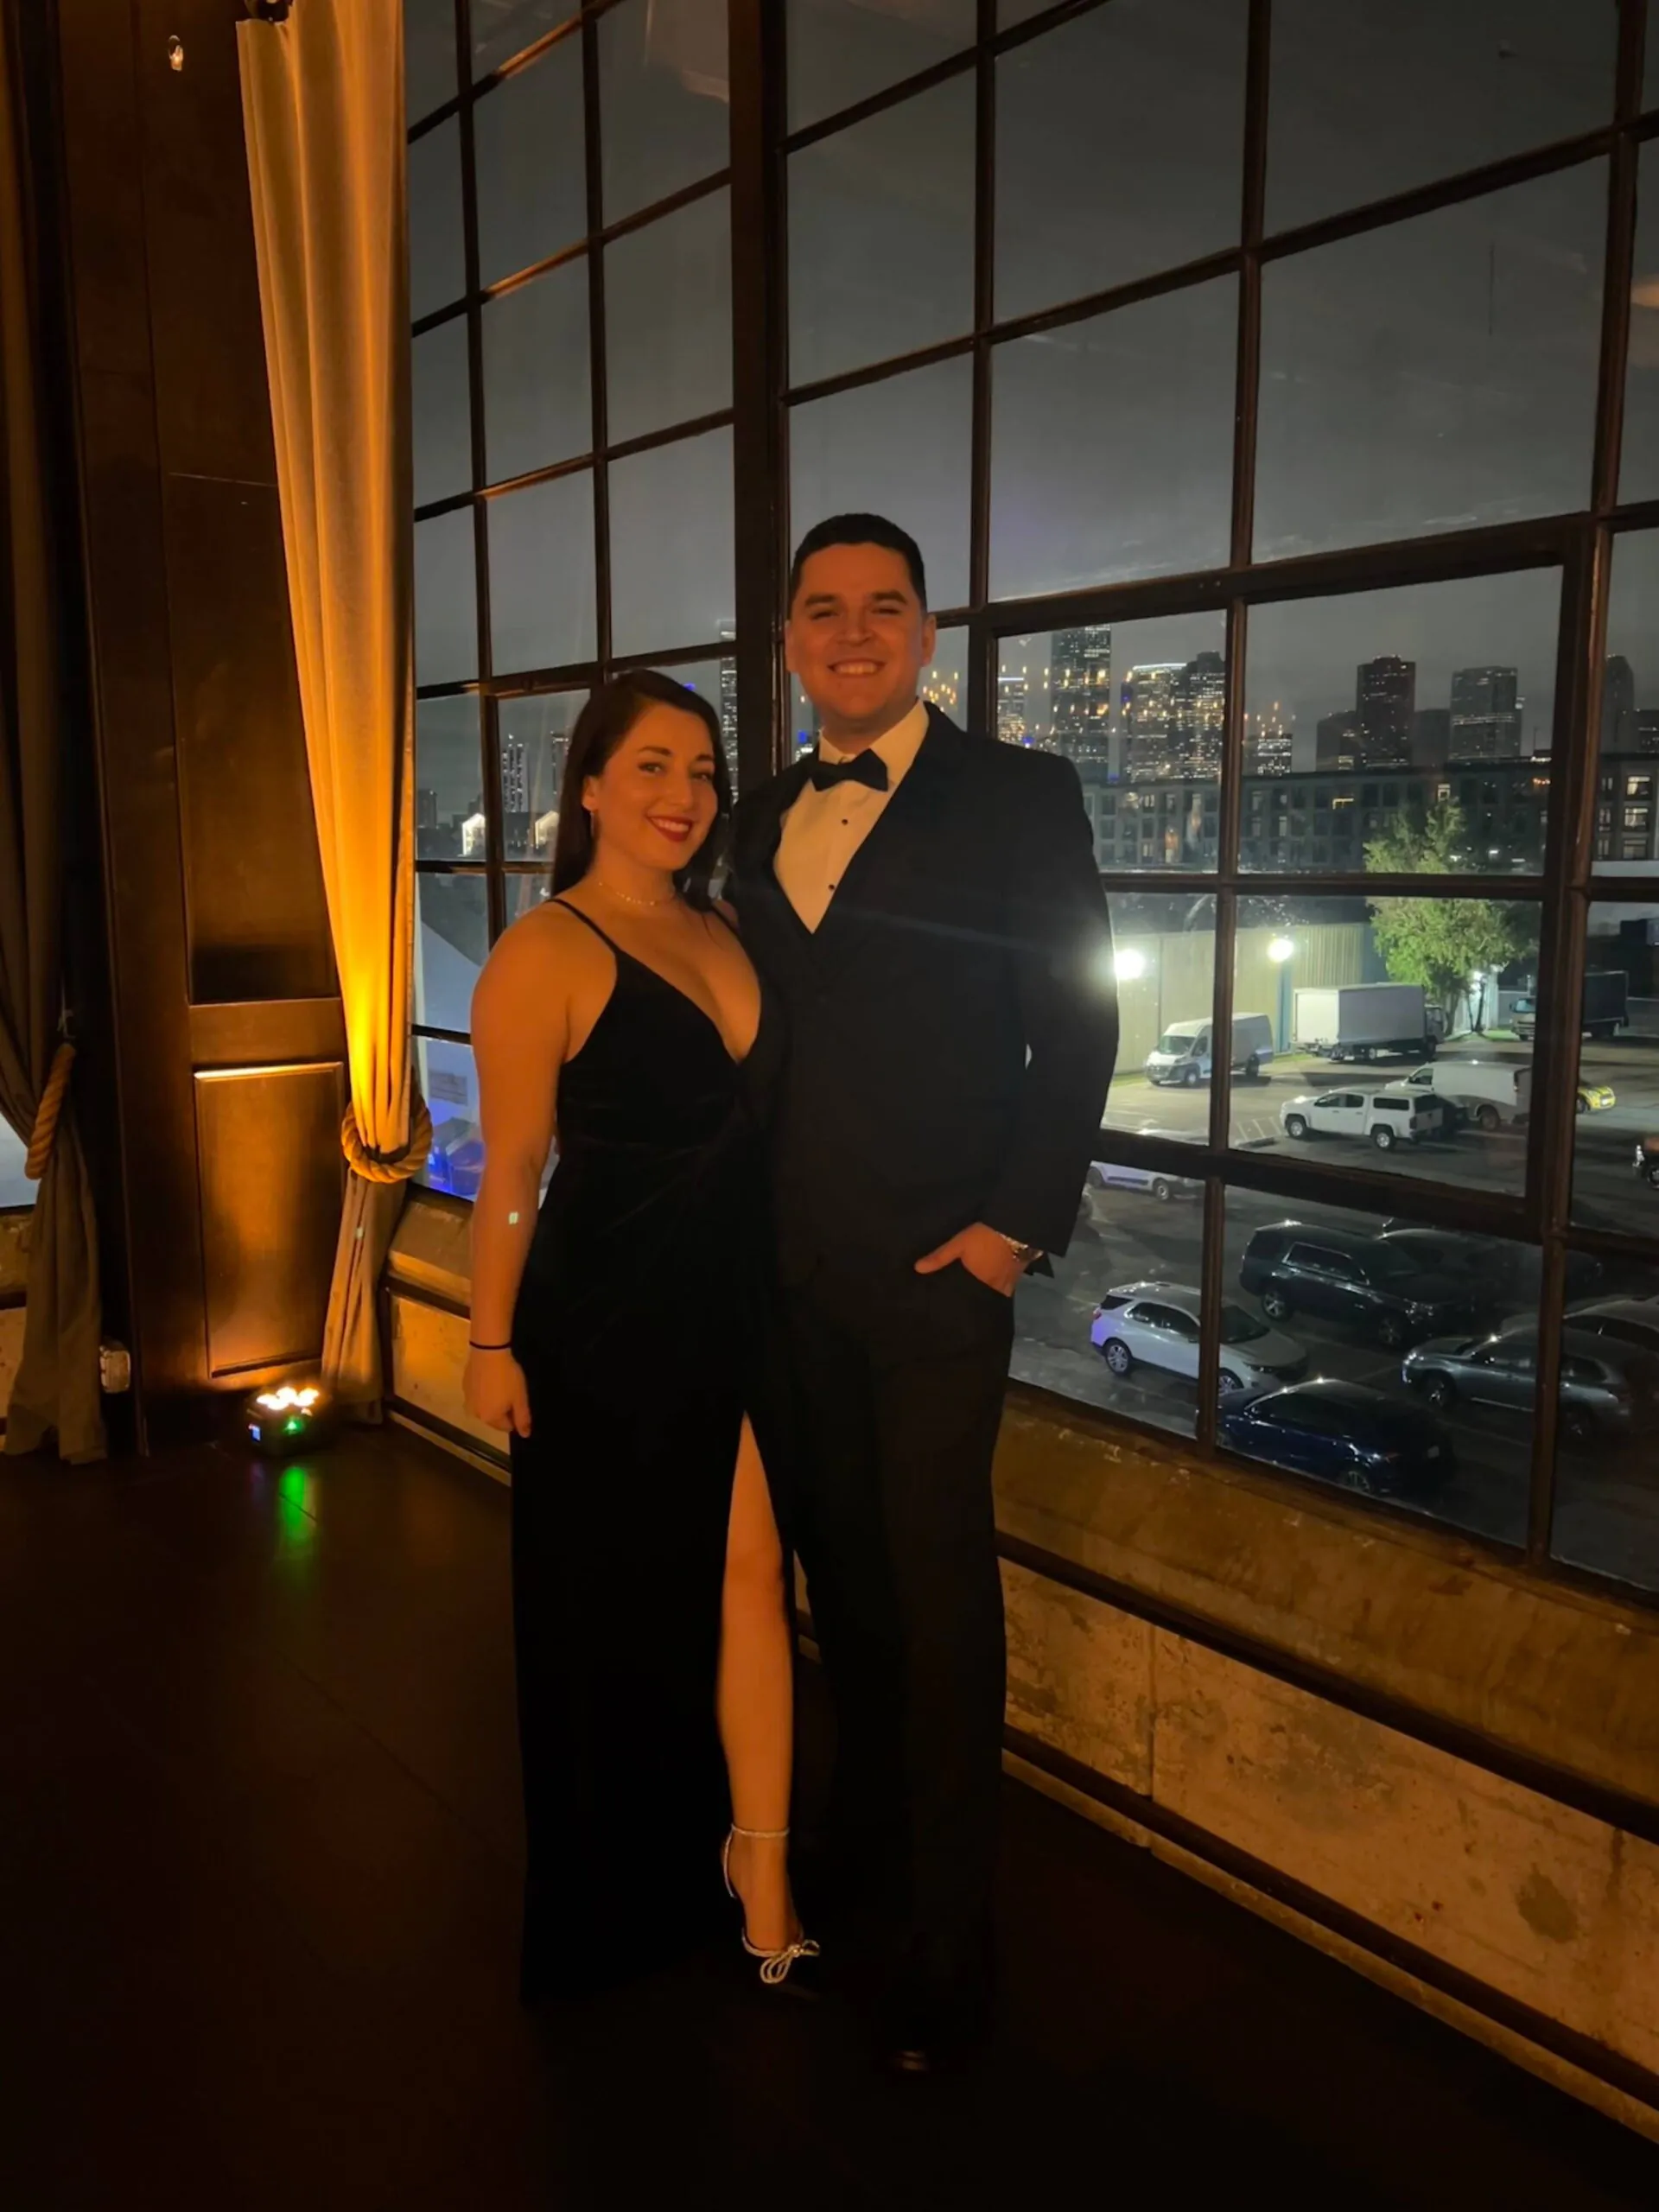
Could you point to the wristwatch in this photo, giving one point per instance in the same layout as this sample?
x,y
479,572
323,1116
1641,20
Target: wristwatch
x,y
1023,1252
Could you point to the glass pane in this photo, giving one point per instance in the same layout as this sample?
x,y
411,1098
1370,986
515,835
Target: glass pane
x,y
16,1189
944,683
1112,445
504,28
671,561
429,55
1117,1324
532,183
903,179
449,1085
451,945
1164,954
1079,209
1367,101
900,448
1383,1034
526,892
1616,1134
535,736
1606,1479
716,681
443,427
537,393
668,319
448,792
841,51
1419,1348
664,92
1403,730
1434,375
1651,61
1638,470
542,574
1626,841
446,600
437,251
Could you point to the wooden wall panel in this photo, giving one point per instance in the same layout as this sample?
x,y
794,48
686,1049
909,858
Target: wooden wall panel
x,y
271,1176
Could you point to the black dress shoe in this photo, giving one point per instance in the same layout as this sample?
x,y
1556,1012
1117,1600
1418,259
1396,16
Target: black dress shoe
x,y
933,2029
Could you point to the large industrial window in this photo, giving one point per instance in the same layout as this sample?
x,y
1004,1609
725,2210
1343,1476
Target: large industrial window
x,y
1275,391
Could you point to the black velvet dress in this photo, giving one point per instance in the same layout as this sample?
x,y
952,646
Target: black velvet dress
x,y
638,1327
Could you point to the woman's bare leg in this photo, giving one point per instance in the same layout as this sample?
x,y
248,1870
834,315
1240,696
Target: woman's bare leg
x,y
754,1700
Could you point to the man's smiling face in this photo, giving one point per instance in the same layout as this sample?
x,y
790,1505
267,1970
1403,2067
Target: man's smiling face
x,y
858,637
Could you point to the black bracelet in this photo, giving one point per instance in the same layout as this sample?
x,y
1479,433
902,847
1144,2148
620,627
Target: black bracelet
x,y
472,1345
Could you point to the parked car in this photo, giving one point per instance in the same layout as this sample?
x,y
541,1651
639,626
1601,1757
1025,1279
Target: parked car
x,y
1343,1432
1387,1117
1491,1266
1362,1282
1647,1161
1117,1175
1596,1098
1156,1324
1632,1321
1603,1385
1493,1093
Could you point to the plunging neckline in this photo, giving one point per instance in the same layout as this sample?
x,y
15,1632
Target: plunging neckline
x,y
621,952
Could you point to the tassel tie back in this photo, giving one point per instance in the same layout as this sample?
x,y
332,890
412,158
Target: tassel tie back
x,y
389,1166
45,1131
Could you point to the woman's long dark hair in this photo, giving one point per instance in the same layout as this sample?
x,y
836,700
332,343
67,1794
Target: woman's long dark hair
x,y
609,714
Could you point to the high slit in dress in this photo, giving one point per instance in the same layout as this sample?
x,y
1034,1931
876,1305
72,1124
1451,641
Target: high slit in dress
x,y
638,1326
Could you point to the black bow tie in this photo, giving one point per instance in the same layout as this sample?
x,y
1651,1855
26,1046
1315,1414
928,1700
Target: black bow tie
x,y
863,768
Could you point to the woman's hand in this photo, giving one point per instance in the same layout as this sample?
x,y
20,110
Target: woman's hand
x,y
496,1394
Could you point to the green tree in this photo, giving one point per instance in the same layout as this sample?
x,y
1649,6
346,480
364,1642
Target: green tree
x,y
1439,942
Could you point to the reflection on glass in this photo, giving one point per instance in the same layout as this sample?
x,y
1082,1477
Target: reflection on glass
x,y
1386,1033
663,92
532,186
1140,708
1434,374
429,55
504,28
1365,101
1385,1321
842,51
1112,443
900,448
448,786
904,178
452,942
437,253
716,681
542,574
534,733
448,1083
1626,842
526,892
943,684
1606,1475
671,557
668,319
446,600
1405,730
1163,955
1117,1324
1616,1132
442,413
536,396
1638,467
1079,209
15,1187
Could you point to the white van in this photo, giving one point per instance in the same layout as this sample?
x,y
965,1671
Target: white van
x,y
1387,1117
1183,1053
1493,1093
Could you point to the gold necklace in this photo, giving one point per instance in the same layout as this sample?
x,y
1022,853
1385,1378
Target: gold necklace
x,y
630,898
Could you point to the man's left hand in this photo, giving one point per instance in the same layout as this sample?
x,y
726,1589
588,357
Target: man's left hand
x,y
983,1253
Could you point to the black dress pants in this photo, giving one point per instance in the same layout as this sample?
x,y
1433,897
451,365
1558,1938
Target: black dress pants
x,y
899,1387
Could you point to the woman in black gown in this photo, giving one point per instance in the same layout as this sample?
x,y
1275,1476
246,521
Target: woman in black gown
x,y
617,1336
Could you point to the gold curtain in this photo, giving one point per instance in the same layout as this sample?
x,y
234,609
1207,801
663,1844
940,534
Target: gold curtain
x,y
322,99
56,1390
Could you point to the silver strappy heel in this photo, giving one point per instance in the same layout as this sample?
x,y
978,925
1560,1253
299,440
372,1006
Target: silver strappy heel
x,y
775,1965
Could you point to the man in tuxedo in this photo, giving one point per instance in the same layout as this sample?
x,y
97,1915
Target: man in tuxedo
x,y
925,905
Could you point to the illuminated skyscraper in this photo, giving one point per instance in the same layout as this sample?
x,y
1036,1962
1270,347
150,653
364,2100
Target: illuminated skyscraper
x,y
1080,692
1268,743
1199,723
1385,698
1149,711
1485,714
515,789
1618,723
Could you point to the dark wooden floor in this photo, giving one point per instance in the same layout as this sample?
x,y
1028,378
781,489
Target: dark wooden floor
x,y
259,1866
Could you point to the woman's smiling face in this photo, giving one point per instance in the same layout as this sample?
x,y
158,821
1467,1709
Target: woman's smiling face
x,y
654,802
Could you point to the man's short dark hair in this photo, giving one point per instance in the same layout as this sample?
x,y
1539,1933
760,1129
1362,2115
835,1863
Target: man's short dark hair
x,y
859,530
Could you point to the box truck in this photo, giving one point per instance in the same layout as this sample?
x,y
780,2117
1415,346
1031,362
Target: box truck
x,y
1183,1054
1364,1021
1493,1093
1604,1012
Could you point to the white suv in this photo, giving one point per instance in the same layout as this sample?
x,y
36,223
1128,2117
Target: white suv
x,y
1387,1117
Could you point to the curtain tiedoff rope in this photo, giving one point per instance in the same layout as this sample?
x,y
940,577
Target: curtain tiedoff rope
x,y
389,1166
46,1119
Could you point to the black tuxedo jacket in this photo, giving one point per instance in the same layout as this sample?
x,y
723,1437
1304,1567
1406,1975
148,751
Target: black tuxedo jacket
x,y
949,1029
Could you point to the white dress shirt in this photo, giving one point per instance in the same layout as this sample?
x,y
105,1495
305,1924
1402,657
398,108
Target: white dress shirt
x,y
823,830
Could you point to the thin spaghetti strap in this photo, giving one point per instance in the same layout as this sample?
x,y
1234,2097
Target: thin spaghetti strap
x,y
593,925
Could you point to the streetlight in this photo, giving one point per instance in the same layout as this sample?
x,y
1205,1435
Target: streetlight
x,y
1280,952
1130,965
